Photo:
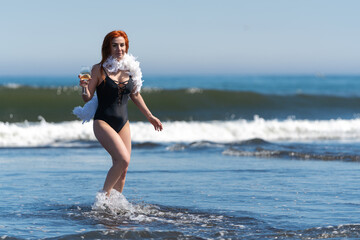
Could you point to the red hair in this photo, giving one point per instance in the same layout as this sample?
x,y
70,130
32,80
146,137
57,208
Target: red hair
x,y
106,46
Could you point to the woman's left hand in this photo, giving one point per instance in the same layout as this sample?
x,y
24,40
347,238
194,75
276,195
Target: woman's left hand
x,y
156,123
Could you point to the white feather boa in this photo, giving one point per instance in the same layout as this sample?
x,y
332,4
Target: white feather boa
x,y
128,62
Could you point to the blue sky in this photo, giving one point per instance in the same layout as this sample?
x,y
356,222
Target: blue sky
x,y
184,37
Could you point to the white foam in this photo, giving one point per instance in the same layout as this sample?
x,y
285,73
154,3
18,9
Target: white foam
x,y
240,130
117,208
34,134
113,204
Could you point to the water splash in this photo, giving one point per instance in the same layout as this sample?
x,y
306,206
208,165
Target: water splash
x,y
114,204
116,209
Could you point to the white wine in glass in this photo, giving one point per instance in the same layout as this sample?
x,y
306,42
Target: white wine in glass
x,y
85,76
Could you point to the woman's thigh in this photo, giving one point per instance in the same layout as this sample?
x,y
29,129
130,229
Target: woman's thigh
x,y
111,141
125,135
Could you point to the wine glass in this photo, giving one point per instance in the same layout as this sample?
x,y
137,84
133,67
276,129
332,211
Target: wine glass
x,y
85,76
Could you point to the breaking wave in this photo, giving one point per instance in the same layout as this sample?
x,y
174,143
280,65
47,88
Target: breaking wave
x,y
74,134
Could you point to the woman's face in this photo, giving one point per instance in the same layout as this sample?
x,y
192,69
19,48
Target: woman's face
x,y
118,48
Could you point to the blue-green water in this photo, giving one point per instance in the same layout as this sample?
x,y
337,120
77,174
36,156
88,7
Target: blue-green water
x,y
240,157
343,85
49,193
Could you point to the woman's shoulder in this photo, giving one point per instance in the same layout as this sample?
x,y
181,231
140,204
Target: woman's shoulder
x,y
96,70
96,67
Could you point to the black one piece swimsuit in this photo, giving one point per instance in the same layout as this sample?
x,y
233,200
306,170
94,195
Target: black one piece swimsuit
x,y
112,102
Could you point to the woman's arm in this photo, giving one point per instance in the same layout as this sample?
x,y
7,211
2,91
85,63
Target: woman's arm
x,y
90,85
140,103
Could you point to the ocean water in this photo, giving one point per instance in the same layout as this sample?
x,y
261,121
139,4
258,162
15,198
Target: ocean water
x,y
240,157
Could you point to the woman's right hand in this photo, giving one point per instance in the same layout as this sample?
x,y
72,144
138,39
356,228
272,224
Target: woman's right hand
x,y
83,83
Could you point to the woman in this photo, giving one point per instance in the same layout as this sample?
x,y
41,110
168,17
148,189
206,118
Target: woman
x,y
114,85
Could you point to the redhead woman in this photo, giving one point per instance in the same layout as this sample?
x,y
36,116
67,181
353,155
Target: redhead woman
x,y
116,79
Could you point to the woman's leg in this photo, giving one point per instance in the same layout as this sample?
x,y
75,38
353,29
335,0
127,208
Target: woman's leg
x,y
115,146
125,135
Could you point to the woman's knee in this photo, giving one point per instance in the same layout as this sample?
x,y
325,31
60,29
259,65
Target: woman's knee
x,y
123,161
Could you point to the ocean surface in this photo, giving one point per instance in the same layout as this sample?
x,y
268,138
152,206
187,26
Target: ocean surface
x,y
240,157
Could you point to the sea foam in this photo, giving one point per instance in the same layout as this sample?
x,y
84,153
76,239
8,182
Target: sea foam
x,y
73,133
116,209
